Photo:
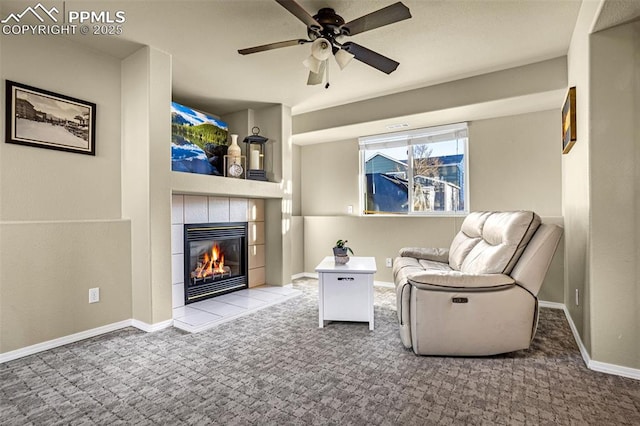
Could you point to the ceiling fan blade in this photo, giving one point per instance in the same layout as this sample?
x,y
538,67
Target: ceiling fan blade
x,y
297,10
371,58
271,46
317,77
385,16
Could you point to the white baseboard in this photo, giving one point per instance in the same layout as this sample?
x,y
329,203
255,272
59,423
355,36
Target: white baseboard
x,y
72,338
618,370
150,328
583,350
602,367
76,337
305,275
551,305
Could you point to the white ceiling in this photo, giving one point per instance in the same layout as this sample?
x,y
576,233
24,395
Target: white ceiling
x,y
616,12
443,41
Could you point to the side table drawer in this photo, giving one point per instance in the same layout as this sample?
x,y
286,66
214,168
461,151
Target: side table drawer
x,y
346,297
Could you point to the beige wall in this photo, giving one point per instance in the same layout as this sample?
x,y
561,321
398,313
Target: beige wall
x,y
61,232
487,90
296,170
275,121
377,236
38,182
46,270
575,179
297,245
615,149
146,190
297,223
601,198
514,164
329,178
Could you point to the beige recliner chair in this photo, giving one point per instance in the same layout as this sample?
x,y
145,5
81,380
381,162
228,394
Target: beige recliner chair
x,y
479,296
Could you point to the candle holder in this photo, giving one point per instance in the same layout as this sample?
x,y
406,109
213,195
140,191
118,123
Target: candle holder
x,y
255,154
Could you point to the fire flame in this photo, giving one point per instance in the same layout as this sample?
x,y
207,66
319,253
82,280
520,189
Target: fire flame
x,y
211,265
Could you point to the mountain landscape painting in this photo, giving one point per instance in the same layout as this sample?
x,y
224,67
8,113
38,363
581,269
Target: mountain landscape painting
x,y
198,141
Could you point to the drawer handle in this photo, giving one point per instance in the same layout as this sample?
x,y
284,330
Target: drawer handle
x,y
346,278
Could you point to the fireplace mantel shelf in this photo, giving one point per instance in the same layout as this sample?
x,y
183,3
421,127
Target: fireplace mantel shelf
x,y
190,183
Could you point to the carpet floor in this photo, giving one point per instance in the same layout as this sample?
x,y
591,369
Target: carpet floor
x,y
277,367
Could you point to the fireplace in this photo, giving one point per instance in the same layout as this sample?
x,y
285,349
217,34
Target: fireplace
x,y
215,259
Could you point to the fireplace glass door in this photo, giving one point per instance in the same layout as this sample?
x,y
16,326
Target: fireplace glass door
x,y
215,259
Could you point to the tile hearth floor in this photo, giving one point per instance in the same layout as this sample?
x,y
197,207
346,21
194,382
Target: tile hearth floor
x,y
203,315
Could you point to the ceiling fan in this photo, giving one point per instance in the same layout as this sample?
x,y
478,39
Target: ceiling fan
x,y
325,31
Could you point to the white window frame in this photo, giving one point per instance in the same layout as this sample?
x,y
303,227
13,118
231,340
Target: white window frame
x,y
409,138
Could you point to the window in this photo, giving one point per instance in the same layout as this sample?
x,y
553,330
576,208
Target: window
x,y
433,159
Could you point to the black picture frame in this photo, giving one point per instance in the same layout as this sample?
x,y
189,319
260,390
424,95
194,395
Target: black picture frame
x,y
569,121
43,119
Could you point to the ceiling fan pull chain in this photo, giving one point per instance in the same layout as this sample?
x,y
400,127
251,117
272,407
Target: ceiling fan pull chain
x,y
326,86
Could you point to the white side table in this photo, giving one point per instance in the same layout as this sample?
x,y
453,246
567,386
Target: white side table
x,y
346,291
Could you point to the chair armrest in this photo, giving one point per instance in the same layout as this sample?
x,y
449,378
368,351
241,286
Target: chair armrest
x,y
460,281
437,254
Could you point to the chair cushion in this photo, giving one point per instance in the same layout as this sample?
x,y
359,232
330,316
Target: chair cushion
x,y
404,267
504,237
459,281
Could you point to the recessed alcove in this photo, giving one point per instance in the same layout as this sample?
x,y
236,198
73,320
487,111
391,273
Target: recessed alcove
x,y
150,187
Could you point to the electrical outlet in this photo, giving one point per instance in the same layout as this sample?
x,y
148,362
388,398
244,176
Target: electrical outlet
x,y
389,262
577,297
349,209
94,295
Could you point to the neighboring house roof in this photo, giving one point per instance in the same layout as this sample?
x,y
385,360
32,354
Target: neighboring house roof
x,y
382,163
380,157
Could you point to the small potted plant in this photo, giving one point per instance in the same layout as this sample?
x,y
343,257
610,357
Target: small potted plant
x,y
341,252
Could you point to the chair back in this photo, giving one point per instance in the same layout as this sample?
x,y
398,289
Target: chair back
x,y
492,242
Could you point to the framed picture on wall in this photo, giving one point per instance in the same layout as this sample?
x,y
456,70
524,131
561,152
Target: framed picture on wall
x,y
569,121
43,119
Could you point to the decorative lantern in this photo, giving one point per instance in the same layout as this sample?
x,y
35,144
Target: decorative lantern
x,y
255,154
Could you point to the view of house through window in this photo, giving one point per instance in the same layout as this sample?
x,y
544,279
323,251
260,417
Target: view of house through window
x,y
433,160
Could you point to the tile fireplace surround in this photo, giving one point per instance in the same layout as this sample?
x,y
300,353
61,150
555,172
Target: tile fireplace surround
x,y
207,209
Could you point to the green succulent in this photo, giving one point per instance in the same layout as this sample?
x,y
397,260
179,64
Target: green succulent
x,y
342,244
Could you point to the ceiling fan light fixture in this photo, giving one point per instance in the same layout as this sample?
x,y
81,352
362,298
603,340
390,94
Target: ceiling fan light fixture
x,y
313,64
343,58
326,27
317,77
321,49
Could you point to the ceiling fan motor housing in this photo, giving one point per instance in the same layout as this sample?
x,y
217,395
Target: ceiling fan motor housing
x,y
331,25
